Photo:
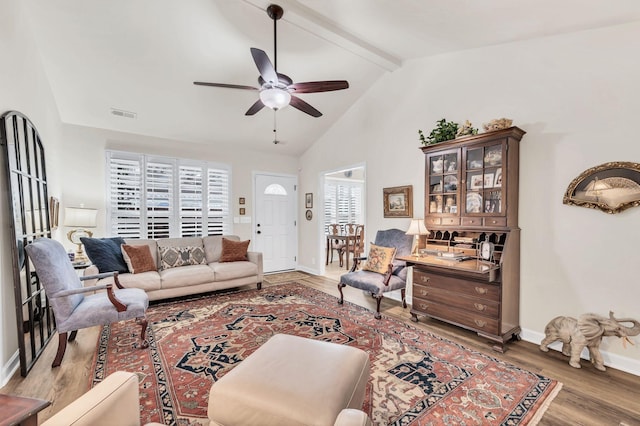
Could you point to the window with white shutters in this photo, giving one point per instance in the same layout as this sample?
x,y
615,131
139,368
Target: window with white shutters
x,y
342,202
159,197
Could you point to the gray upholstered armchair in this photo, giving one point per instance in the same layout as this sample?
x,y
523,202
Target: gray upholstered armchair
x,y
74,306
377,284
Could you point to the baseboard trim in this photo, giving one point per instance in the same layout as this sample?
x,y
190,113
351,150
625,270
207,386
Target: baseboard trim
x,y
308,270
628,365
9,369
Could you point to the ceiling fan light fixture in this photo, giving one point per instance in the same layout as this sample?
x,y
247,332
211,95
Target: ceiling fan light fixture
x,y
275,98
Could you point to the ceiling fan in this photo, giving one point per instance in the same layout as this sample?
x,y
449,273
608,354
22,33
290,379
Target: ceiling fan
x,y
278,90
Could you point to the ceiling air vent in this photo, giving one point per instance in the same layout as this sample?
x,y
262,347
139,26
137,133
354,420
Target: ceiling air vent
x,y
123,113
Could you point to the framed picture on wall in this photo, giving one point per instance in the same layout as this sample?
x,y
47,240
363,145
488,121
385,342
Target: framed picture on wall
x,y
308,200
398,201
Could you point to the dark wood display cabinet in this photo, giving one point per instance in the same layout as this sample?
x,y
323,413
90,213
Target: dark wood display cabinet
x,y
468,271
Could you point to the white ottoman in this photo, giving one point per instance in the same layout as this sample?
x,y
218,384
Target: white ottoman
x,y
291,380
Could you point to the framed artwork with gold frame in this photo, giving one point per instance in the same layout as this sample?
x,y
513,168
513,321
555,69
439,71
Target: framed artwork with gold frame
x,y
398,201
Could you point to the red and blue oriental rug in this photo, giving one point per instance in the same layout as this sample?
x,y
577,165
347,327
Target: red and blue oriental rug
x,y
417,378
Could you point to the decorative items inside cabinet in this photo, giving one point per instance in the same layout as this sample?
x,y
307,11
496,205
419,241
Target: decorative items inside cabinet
x,y
443,182
483,177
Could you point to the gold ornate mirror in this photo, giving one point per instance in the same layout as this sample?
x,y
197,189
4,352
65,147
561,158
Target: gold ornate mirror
x,y
610,187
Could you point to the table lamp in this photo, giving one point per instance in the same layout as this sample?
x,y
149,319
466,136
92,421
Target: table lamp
x,y
417,228
79,218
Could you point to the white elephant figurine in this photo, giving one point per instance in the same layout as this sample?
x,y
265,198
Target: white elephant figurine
x,y
587,331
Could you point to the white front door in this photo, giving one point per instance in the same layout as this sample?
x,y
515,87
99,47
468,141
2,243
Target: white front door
x,y
275,221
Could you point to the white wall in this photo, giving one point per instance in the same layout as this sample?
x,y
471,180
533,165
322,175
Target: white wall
x,y
24,88
576,95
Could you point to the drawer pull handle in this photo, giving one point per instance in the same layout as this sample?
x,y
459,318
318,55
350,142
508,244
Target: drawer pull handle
x,y
480,323
424,306
423,292
480,306
494,221
424,279
481,290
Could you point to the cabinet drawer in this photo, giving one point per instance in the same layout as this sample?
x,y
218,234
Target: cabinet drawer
x,y
477,305
495,221
472,221
470,288
432,221
458,316
450,221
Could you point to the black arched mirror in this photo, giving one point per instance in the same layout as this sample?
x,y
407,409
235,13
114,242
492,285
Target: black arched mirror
x,y
29,205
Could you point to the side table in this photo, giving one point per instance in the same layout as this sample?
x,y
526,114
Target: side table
x,y
19,410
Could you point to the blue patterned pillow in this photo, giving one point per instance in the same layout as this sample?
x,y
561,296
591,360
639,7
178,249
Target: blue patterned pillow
x,y
105,253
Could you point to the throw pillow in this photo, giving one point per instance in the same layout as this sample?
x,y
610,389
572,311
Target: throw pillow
x,y
105,253
379,259
138,258
173,257
233,251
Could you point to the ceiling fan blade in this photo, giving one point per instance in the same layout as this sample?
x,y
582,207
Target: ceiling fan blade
x,y
255,108
228,86
267,71
304,107
318,86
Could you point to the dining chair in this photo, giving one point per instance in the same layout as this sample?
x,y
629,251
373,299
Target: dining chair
x,y
355,245
332,244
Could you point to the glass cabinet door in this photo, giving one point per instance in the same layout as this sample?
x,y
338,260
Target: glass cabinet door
x,y
443,182
483,189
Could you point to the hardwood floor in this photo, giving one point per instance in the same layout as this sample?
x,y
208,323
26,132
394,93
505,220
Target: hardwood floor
x,y
588,396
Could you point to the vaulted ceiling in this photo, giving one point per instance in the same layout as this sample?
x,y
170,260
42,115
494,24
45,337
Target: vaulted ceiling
x,y
142,56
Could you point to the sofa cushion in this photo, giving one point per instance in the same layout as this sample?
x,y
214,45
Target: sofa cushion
x,y
186,276
379,259
138,258
173,257
230,271
105,253
234,251
213,246
152,244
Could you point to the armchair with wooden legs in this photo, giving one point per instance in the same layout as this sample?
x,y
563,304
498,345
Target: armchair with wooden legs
x,y
74,306
395,276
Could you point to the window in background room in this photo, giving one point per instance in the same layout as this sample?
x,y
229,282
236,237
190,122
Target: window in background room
x,y
160,197
343,192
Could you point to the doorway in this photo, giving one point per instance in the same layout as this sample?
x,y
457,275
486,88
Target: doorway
x,y
274,233
344,203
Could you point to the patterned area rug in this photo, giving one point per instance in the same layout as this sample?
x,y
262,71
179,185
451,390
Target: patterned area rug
x,y
417,378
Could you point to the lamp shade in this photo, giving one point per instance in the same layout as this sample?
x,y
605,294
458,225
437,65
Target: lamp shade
x,y
79,217
417,227
275,98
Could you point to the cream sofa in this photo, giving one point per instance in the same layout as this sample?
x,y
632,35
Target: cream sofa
x,y
192,279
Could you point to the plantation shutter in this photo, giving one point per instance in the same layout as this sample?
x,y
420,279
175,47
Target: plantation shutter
x,y
330,204
125,195
342,202
191,201
160,197
218,214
